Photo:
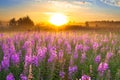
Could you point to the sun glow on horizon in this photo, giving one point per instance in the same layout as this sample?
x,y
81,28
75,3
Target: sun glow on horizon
x,y
58,19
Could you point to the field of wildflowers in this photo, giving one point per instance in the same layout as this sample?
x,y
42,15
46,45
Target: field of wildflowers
x,y
66,55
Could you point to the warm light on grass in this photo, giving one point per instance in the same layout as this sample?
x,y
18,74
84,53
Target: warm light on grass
x,y
58,19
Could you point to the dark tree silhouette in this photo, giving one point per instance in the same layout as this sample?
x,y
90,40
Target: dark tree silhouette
x,y
0,23
12,22
25,21
86,24
20,22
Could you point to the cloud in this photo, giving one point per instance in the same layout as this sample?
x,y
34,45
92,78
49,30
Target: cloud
x,y
70,3
112,2
81,3
61,4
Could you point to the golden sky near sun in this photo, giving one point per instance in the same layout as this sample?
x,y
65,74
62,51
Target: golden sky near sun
x,y
77,11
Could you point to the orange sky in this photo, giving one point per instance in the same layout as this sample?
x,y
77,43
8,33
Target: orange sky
x,y
41,11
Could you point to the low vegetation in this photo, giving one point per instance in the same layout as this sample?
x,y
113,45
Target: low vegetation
x,y
70,55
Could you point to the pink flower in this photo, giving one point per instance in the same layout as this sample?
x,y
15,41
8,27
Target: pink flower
x,y
86,48
83,57
15,59
85,77
72,69
23,77
109,55
28,60
35,61
5,63
41,53
62,74
102,68
75,55
53,55
97,59
95,45
10,77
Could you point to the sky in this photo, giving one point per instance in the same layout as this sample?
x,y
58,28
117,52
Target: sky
x,y
75,10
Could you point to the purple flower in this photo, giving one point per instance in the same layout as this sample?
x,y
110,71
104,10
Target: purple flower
x,y
10,77
53,55
5,63
72,69
113,42
62,74
15,59
28,60
68,47
83,57
80,47
5,48
95,45
60,54
41,53
86,48
75,55
106,48
23,77
109,55
97,59
11,48
27,44
35,61
19,53
60,41
29,51
44,49
87,41
85,77
105,40
102,68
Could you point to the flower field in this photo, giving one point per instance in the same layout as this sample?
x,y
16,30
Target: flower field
x,y
70,55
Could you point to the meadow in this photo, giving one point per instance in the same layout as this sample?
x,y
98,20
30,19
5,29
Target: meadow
x,y
63,55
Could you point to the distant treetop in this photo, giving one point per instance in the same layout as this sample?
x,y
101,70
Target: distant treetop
x,y
25,21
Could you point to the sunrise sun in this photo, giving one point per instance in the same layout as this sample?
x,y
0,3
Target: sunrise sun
x,y
58,19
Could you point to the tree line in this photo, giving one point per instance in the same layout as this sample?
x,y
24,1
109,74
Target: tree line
x,y
24,21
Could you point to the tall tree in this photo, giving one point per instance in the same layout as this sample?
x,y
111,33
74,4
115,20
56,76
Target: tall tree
x,y
12,22
20,22
25,21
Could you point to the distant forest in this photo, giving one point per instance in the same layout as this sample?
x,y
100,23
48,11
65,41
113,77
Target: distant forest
x,y
25,21
104,23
